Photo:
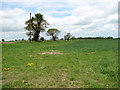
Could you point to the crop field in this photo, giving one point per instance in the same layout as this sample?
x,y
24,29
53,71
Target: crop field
x,y
80,63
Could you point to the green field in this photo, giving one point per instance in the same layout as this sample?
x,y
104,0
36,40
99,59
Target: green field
x,y
85,63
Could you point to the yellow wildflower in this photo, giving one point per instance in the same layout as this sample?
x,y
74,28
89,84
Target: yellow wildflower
x,y
30,64
6,69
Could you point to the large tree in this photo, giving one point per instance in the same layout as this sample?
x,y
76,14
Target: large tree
x,y
38,24
53,32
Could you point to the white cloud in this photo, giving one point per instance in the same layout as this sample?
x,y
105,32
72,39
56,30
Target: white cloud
x,y
14,35
13,19
113,18
88,18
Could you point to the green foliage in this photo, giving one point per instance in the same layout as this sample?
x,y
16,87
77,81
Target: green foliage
x,y
73,37
53,32
68,36
38,24
72,79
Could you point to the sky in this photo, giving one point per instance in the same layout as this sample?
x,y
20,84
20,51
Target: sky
x,y
81,18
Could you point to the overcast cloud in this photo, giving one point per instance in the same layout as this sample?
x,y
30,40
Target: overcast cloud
x,y
81,18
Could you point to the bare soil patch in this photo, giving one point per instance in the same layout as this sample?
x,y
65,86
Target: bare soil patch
x,y
8,42
52,52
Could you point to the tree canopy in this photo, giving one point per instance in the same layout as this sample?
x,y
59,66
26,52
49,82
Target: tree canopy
x,y
53,32
38,24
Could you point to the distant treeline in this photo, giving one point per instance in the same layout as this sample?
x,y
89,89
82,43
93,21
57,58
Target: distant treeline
x,y
89,38
94,38
42,38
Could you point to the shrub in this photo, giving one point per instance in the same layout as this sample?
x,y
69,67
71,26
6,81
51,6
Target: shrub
x,y
61,39
73,37
23,39
42,39
3,40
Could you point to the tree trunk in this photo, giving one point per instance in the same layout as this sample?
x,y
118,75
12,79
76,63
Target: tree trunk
x,y
36,36
54,38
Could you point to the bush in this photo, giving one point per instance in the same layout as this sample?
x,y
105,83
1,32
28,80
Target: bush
x,y
73,37
3,40
61,39
42,39
23,39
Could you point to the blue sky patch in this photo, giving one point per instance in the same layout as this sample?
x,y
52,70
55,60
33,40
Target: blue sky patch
x,y
60,15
